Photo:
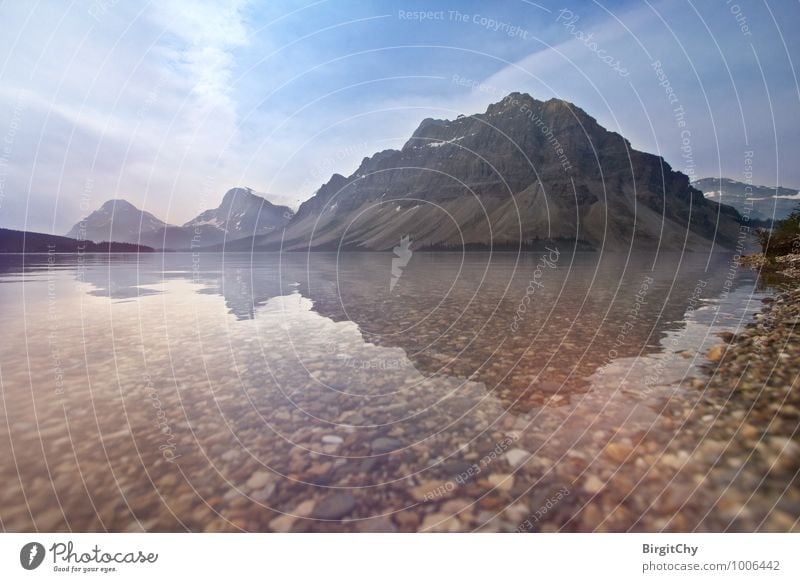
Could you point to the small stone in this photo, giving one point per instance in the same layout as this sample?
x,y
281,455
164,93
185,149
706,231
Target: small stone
x,y
670,460
787,454
377,525
264,494
749,431
355,419
492,502
672,499
591,516
524,421
215,526
622,485
515,457
230,455
432,490
298,464
715,353
383,445
593,485
168,480
332,439
501,482
619,452
320,469
407,519
783,521
517,512
282,524
456,506
305,508
259,480
335,506
486,517
440,522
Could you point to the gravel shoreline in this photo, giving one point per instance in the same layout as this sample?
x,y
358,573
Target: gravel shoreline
x,y
747,420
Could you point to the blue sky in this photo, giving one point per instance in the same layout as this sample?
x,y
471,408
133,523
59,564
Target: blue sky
x,y
169,104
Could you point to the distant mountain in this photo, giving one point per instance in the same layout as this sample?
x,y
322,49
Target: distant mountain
x,y
760,202
116,220
17,241
522,173
242,213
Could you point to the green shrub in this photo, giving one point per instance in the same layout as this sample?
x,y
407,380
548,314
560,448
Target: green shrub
x,y
784,238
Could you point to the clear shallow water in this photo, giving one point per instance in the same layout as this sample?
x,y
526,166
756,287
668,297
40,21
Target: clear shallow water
x,y
275,392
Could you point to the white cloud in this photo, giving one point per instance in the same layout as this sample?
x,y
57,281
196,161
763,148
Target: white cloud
x,y
141,107
206,32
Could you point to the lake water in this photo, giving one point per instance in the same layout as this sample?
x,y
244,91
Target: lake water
x,y
330,392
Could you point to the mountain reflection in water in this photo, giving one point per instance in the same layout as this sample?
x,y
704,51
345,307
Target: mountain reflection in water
x,y
304,392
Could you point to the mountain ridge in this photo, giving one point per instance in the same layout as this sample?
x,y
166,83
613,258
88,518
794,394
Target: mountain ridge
x,y
764,203
116,219
522,172
241,213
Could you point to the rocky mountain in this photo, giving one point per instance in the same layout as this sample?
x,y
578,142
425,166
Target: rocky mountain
x,y
522,173
242,213
116,220
759,202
